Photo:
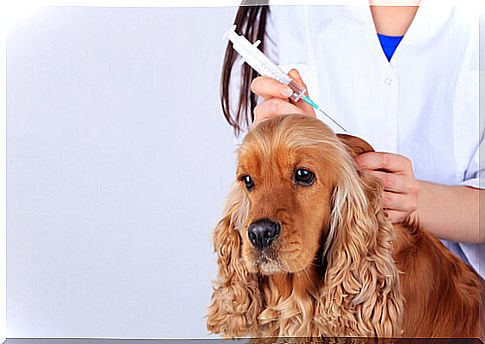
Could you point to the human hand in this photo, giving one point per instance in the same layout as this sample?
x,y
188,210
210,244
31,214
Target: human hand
x,y
276,100
401,188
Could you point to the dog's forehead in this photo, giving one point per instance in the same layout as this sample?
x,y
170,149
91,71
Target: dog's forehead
x,y
286,141
269,155
292,137
258,155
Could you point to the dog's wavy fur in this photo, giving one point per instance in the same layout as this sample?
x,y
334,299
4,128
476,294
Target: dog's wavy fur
x,y
338,268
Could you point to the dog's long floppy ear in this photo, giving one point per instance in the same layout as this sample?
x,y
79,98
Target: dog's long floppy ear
x,y
236,300
361,294
355,145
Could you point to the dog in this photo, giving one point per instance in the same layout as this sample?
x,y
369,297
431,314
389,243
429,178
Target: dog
x,y
305,249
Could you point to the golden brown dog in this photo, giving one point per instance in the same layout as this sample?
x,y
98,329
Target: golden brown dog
x,y
305,249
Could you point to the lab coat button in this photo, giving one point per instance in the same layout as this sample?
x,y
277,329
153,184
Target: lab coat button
x,y
388,81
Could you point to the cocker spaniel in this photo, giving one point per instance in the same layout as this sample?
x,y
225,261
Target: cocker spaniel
x,y
305,249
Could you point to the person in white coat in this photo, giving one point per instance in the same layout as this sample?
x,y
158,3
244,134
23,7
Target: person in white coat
x,y
403,78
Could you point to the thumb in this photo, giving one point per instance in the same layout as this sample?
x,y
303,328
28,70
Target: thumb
x,y
295,75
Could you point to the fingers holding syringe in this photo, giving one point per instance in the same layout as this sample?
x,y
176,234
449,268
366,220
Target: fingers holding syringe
x,y
267,88
307,108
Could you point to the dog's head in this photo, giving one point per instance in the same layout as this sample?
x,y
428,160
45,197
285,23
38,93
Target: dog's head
x,y
288,170
298,197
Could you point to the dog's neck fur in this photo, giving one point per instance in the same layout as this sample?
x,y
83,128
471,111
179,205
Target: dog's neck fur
x,y
289,302
290,299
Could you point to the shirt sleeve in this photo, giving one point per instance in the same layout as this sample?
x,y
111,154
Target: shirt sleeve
x,y
474,254
476,170
476,167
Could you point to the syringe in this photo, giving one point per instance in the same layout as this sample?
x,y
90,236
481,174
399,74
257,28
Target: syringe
x,y
264,66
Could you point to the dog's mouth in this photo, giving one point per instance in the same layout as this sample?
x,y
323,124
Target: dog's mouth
x,y
288,258
274,260
267,262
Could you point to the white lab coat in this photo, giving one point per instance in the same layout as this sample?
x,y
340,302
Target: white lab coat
x,y
422,105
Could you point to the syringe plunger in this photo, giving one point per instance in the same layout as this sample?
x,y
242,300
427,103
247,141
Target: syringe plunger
x,y
258,61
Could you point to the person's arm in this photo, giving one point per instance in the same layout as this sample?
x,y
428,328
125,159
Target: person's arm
x,y
449,212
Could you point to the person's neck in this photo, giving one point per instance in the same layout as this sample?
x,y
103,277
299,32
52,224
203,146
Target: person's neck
x,y
393,20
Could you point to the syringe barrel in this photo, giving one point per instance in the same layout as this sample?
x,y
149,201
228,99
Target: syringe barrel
x,y
260,62
265,67
298,91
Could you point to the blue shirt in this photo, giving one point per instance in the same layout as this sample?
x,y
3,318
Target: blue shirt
x,y
389,44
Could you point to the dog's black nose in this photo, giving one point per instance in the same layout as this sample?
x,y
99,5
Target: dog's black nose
x,y
263,232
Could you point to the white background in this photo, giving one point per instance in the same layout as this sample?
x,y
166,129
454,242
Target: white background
x,y
118,163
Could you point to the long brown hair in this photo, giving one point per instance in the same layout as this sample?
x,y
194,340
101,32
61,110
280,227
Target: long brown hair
x,y
251,22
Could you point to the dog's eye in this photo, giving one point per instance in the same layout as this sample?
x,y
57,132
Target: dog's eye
x,y
248,182
304,177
